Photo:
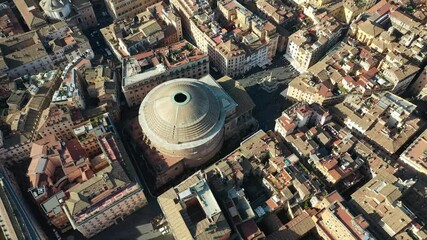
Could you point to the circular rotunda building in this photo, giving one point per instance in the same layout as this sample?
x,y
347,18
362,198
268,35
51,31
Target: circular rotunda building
x,y
183,118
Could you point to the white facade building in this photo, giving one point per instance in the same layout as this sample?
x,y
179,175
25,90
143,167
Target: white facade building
x,y
56,9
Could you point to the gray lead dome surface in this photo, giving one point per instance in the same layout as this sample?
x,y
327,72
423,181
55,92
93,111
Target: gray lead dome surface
x,y
180,111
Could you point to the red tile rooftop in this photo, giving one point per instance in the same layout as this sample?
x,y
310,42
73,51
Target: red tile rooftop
x,y
335,174
313,131
334,197
269,27
123,53
299,134
303,110
237,30
278,161
377,164
361,221
232,156
84,62
9,24
76,115
286,123
365,53
370,73
350,80
284,177
249,230
108,148
325,91
337,142
144,55
418,151
382,8
231,5
75,149
217,39
271,204
347,219
329,164
69,40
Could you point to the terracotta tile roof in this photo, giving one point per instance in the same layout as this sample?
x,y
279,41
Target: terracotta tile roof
x,y
75,149
334,196
335,174
271,204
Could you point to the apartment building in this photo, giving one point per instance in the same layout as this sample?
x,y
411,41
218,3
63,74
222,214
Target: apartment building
x,y
416,154
158,26
37,51
262,31
97,78
230,59
386,120
299,115
24,54
15,147
378,201
353,8
25,121
127,9
169,16
144,71
88,138
17,100
233,52
101,191
310,89
334,220
70,92
191,203
102,84
65,44
307,46
56,121
353,70
281,16
418,87
336,168
277,12
403,23
400,76
195,19
18,222
128,198
9,24
260,161
31,13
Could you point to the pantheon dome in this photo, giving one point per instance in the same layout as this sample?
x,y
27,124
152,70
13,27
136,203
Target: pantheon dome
x,y
183,118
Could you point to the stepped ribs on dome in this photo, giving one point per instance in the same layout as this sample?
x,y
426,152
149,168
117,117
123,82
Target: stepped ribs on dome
x,y
183,118
185,123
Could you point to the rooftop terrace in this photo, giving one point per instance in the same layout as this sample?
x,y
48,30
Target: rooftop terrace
x,y
155,62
